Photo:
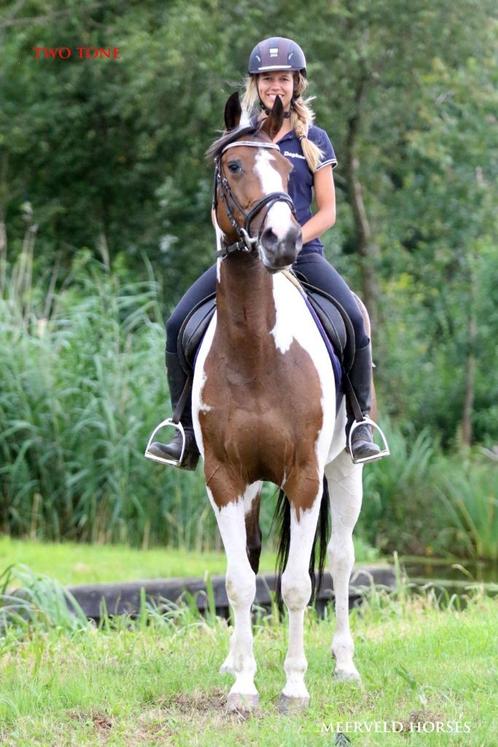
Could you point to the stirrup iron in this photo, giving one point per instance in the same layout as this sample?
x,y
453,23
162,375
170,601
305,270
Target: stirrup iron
x,y
384,451
164,460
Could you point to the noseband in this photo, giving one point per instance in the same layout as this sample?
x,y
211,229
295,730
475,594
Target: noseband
x,y
246,242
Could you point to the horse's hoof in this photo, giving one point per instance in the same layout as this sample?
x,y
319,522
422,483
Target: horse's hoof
x,y
242,703
288,704
347,675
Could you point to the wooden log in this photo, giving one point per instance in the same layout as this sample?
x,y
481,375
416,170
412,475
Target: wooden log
x,y
125,598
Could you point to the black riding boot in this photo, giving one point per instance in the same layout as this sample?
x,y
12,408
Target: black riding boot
x,y
173,450
362,444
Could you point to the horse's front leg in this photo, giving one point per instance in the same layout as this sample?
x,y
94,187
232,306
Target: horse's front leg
x,y
296,585
240,586
345,488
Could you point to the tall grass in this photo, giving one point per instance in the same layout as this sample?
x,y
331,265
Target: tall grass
x,y
82,385
36,603
469,492
398,507
421,501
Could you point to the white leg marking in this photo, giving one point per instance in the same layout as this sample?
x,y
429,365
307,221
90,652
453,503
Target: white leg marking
x,y
339,436
241,589
296,592
250,494
345,481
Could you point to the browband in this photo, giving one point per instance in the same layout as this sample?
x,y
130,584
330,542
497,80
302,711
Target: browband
x,y
251,144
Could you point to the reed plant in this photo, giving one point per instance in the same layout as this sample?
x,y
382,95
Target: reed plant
x,y
82,386
398,505
469,494
422,501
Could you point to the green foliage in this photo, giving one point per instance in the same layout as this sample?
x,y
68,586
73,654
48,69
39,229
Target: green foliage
x,y
420,501
30,602
470,496
83,389
159,683
398,508
106,158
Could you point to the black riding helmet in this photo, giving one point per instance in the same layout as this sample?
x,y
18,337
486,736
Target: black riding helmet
x,y
277,53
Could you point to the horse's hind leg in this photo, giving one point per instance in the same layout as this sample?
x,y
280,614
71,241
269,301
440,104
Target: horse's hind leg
x,y
345,488
253,533
241,589
296,585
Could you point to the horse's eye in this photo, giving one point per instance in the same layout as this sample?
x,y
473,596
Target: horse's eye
x,y
235,167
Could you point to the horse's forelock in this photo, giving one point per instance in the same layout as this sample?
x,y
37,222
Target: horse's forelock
x,y
216,148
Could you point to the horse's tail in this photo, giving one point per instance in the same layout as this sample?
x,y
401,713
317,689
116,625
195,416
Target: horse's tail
x,y
282,517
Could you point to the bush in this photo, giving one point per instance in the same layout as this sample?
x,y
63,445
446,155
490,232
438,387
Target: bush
x,y
82,389
83,386
420,501
399,507
469,493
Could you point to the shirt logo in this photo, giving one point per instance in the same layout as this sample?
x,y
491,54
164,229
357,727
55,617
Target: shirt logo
x,y
293,155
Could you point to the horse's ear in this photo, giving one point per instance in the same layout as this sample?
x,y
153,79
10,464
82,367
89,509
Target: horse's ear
x,y
233,110
274,120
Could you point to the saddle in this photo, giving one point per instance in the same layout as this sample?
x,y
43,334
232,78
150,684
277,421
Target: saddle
x,y
333,322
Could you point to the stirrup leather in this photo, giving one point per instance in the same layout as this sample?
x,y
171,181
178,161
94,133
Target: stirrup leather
x,y
385,451
164,460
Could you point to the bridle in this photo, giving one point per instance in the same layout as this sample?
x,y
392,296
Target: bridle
x,y
246,243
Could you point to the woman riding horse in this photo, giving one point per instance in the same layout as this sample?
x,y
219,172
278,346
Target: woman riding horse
x,y
277,67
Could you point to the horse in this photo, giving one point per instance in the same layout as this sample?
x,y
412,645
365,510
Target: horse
x,y
264,408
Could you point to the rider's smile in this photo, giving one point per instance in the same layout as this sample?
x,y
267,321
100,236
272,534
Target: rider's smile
x,y
271,85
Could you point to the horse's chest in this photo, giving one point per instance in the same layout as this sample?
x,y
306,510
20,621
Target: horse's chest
x,y
261,408
266,400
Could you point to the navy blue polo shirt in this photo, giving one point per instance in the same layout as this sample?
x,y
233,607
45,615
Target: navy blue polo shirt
x,y
301,177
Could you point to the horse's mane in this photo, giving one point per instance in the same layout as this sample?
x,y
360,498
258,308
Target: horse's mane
x,y
215,148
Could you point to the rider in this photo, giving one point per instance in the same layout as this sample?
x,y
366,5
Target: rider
x,y
277,67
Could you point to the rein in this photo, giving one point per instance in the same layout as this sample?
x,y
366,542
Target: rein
x,y
246,243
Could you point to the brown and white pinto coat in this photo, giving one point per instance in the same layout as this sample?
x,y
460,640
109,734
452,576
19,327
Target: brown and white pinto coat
x,y
264,409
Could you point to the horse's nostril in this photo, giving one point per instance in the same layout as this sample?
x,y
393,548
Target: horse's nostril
x,y
269,238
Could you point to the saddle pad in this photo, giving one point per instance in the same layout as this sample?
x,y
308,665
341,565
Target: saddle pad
x,y
193,330
336,363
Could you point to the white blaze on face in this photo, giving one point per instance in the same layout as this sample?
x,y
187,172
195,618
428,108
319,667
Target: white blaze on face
x,y
279,217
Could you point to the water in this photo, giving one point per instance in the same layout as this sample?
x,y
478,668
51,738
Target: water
x,y
452,576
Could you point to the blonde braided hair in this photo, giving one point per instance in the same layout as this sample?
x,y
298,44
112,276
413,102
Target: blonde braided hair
x,y
301,117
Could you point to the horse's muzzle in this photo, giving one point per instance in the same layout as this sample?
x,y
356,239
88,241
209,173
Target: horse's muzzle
x,y
280,253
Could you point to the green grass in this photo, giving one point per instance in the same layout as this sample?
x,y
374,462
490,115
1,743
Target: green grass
x,y
72,563
156,682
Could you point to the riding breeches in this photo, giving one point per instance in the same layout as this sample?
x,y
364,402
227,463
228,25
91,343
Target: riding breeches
x,y
313,266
